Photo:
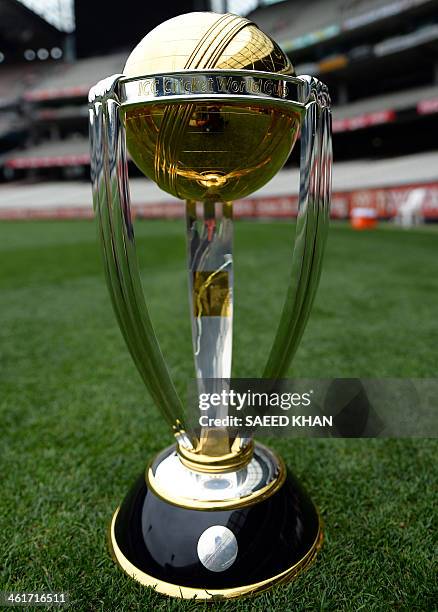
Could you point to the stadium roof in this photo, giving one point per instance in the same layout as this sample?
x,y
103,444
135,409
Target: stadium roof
x,y
240,7
60,13
21,28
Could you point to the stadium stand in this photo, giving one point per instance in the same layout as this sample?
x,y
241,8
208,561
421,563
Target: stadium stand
x,y
70,152
15,80
396,101
74,80
300,25
383,184
380,60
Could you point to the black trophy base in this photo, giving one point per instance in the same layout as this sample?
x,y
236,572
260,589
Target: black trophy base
x,y
215,554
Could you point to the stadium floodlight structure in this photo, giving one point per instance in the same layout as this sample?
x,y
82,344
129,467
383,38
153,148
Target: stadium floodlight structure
x,y
210,109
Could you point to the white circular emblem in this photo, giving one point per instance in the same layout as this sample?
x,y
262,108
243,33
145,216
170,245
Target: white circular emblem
x,y
217,548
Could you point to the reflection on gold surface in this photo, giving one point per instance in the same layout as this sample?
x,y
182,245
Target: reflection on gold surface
x,y
211,294
199,151
206,40
208,151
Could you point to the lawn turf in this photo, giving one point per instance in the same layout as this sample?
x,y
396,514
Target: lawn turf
x,y
77,425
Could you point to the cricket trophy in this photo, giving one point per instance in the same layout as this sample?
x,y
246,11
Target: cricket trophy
x,y
209,108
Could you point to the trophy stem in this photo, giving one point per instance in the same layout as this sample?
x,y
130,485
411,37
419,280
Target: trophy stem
x,y
210,269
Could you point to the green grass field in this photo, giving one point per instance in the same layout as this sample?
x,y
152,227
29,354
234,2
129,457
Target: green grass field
x,y
77,425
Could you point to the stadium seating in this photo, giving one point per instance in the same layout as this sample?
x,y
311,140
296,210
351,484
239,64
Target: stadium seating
x,y
70,80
